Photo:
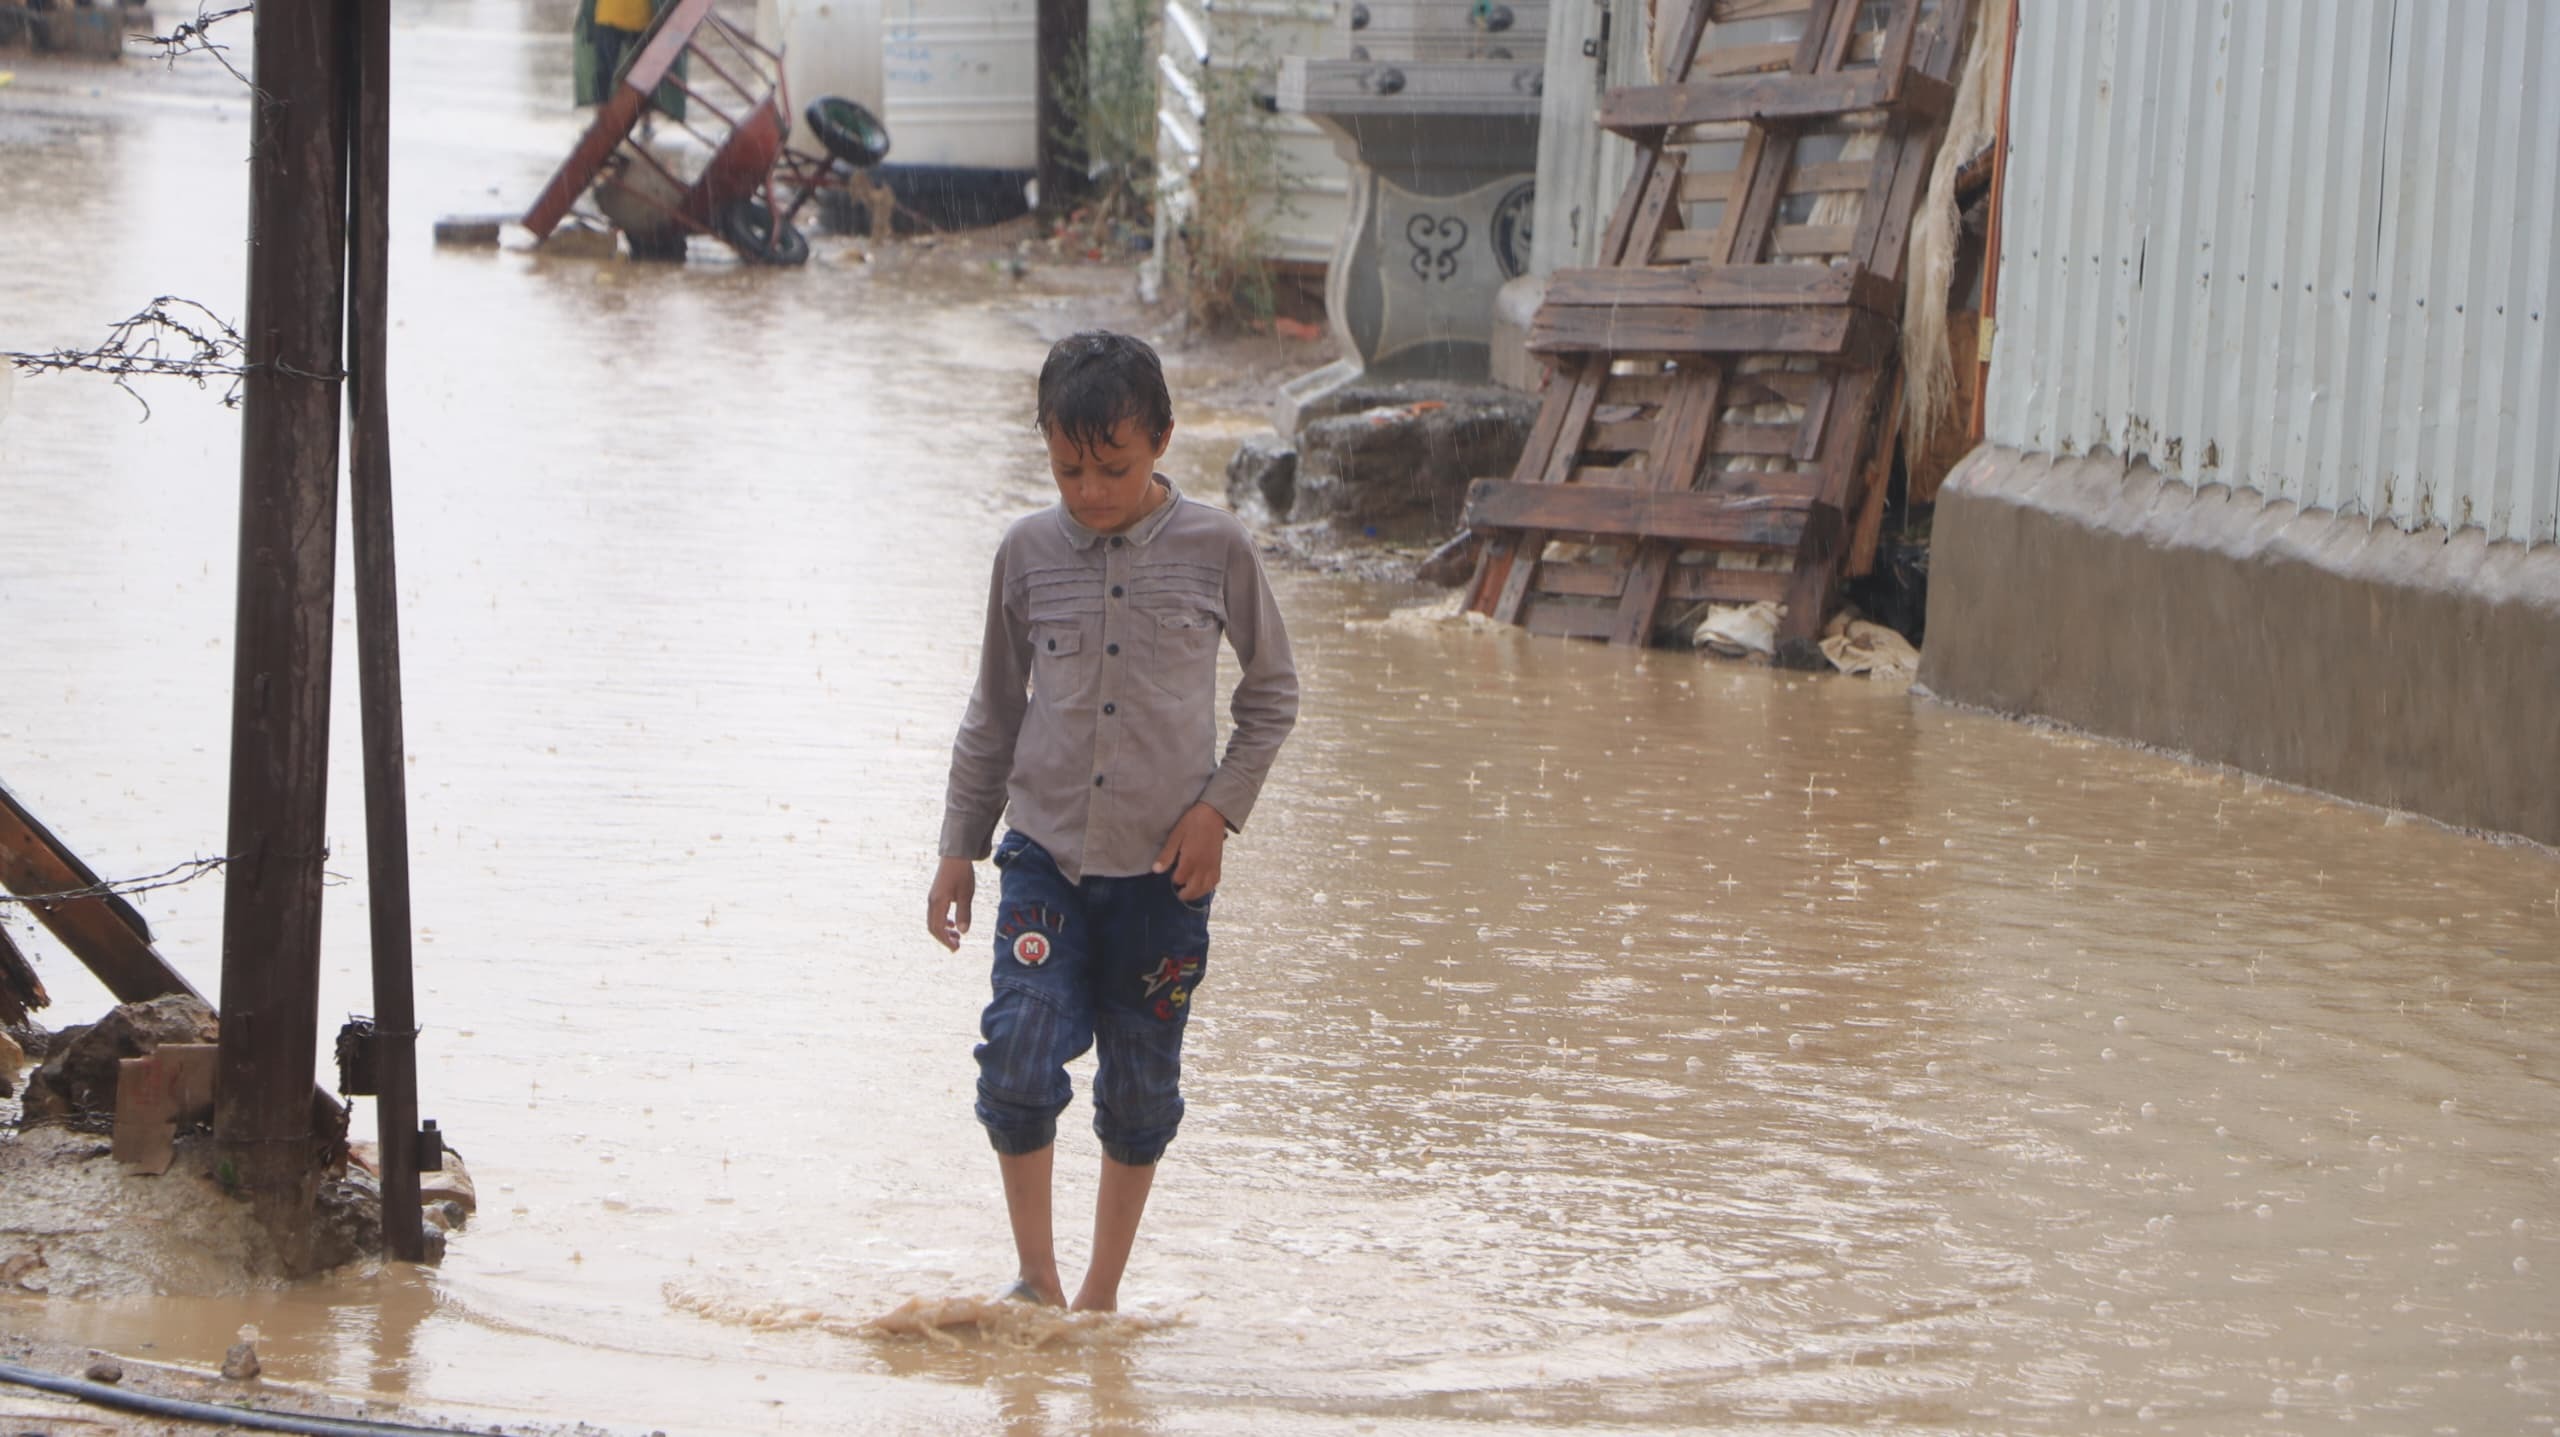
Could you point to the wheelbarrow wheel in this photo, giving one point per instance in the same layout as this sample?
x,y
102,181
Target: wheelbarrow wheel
x,y
751,229
850,132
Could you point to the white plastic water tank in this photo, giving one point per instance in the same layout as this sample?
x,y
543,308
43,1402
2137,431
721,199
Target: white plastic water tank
x,y
829,47
961,80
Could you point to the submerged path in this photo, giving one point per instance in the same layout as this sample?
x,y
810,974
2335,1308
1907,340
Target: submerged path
x,y
1648,1044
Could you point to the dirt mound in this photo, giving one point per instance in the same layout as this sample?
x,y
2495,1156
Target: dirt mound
x,y
78,1080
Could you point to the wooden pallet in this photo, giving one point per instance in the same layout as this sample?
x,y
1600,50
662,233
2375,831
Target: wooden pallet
x,y
1717,384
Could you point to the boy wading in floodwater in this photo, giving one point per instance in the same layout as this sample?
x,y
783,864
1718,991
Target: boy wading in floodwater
x,y
1093,726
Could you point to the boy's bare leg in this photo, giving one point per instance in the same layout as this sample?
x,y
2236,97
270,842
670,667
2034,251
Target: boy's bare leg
x,y
1026,1203
1117,1206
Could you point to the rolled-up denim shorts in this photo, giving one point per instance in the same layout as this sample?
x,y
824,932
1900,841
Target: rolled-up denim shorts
x,y
1107,964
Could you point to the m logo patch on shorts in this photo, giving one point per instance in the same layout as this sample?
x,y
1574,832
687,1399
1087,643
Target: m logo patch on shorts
x,y
1029,931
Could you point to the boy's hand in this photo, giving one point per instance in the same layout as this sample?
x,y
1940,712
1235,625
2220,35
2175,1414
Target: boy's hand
x,y
946,909
1193,853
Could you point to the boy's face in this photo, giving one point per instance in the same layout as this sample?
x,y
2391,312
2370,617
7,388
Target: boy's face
x,y
1109,487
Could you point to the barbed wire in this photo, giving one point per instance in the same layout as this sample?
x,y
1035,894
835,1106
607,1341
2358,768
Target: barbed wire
x,y
192,39
169,877
167,338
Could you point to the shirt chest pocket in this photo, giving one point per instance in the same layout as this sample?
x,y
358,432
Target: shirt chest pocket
x,y
1058,665
1186,656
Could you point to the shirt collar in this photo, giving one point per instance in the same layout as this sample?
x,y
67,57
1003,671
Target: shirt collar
x,y
1144,530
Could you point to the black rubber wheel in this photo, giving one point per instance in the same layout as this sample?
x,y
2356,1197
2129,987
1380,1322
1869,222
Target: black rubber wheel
x,y
850,132
750,229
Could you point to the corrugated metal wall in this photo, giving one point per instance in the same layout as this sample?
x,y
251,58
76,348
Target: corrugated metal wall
x,y
1306,219
2305,247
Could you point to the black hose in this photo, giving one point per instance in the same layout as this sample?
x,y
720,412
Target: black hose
x,y
181,1410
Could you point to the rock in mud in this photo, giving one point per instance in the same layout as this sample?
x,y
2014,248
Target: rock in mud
x,y
79,1078
348,1214
1263,472
13,1060
1400,470
240,1364
109,1372
26,1272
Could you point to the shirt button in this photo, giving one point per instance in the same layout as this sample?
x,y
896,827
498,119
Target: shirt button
x,y
1116,541
1097,780
1112,649
1109,709
1053,646
1115,591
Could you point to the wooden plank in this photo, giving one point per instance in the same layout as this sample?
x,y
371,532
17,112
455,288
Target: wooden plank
x,y
1884,242
1682,52
1638,389
1717,61
1722,286
1624,476
1877,477
1780,440
1622,218
96,929
1731,12
1705,583
1732,483
1624,437
1493,565
1757,180
1590,581
1772,523
1707,187
1655,208
1835,177
1774,386
1643,112
1852,336
21,991
1524,559
1698,417
1564,619
1817,417
1900,29
1800,241
377,589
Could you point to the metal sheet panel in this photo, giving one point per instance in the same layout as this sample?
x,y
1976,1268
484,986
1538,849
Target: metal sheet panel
x,y
2300,247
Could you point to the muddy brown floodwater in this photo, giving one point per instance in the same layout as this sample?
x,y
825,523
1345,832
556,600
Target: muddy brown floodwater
x,y
1641,1044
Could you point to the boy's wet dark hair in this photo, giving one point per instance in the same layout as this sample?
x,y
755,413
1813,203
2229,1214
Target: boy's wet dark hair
x,y
1094,380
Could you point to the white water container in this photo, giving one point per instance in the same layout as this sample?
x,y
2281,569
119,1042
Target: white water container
x,y
961,80
829,47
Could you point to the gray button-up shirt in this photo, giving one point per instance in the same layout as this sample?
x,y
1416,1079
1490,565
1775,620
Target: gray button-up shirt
x,y
1094,723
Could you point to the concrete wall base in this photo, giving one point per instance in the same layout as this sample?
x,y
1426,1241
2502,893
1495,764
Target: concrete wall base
x,y
2413,671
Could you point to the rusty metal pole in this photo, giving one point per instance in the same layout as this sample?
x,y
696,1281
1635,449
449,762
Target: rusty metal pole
x,y
386,792
1063,26
287,590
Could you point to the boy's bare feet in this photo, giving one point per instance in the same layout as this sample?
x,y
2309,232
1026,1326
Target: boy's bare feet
x,y
1025,1290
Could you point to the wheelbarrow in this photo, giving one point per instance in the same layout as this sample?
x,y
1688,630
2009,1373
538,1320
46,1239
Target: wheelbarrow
x,y
748,186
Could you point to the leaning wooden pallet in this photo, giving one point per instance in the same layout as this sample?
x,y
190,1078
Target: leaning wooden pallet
x,y
1717,384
